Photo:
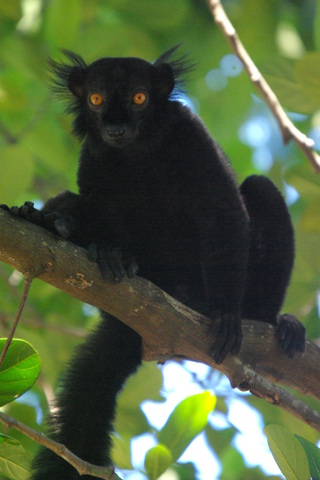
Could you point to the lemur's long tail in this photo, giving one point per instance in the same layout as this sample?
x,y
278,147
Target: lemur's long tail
x,y
87,401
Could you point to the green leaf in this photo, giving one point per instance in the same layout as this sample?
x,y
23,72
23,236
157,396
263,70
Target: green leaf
x,y
152,12
11,10
6,439
157,460
130,420
187,420
16,172
145,384
316,26
18,371
121,452
281,76
307,71
62,22
14,462
288,453
313,455
233,466
219,440
308,187
187,471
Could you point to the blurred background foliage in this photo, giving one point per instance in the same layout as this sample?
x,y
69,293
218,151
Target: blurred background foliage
x,y
39,159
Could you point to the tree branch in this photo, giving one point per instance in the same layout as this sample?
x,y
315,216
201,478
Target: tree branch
x,y
289,131
83,468
168,328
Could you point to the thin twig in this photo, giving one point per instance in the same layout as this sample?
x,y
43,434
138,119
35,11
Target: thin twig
x,y
289,131
34,318
263,388
83,468
24,296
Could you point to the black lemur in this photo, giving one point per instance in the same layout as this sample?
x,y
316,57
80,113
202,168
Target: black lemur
x,y
156,192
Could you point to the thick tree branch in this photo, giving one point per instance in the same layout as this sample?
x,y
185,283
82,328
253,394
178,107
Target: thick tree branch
x,y
168,328
289,131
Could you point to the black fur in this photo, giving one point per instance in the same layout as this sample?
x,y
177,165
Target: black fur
x,y
157,191
87,399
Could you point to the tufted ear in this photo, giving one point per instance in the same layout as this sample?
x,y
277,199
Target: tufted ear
x,y
164,79
76,80
170,73
69,76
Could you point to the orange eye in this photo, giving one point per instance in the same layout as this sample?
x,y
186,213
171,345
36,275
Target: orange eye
x,y
139,98
96,99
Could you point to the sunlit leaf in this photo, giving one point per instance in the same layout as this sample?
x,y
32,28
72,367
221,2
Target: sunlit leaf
x,y
187,420
19,370
157,460
288,453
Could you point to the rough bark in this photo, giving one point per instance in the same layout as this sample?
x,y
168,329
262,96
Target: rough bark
x,y
168,328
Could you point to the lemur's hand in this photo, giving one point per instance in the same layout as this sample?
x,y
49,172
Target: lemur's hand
x,y
53,221
291,334
113,262
229,337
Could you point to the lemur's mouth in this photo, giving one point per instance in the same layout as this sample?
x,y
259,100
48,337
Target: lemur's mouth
x,y
118,135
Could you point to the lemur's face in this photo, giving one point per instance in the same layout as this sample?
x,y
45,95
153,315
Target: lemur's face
x,y
117,97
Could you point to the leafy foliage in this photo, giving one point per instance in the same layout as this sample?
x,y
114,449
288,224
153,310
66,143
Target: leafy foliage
x,y
313,456
14,461
295,462
187,420
19,370
288,452
157,460
39,159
